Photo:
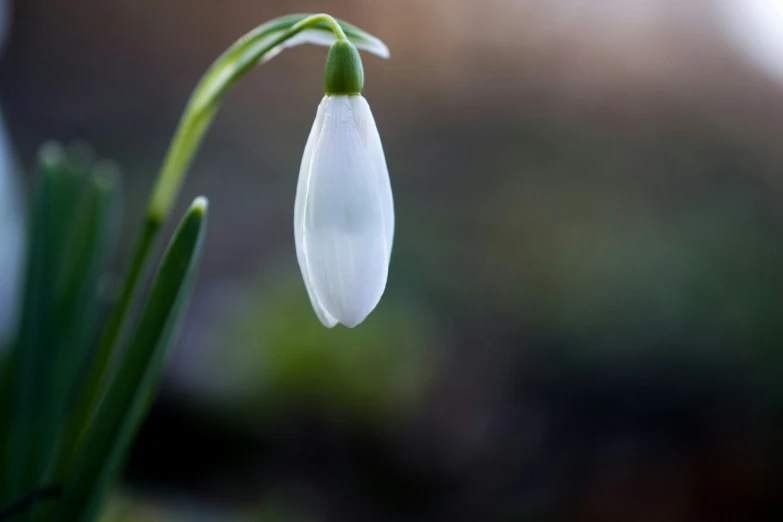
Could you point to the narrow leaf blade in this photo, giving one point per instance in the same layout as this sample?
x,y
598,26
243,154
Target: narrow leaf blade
x,y
90,246
22,465
106,442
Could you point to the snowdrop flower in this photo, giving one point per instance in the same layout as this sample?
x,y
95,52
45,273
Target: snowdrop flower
x,y
756,28
344,214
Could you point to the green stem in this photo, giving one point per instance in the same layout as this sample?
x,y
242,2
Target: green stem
x,y
228,69
336,29
115,323
203,103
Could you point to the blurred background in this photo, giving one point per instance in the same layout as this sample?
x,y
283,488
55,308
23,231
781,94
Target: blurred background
x,y
584,314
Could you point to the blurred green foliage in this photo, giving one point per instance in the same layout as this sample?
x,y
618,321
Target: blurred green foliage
x,y
47,443
274,354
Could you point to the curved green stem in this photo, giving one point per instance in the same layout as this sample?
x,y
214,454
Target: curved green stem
x,y
228,69
203,104
199,113
333,25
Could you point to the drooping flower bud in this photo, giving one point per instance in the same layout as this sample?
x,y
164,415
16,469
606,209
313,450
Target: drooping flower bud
x,y
344,213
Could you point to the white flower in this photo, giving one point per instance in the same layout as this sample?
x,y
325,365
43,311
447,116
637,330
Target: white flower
x,y
344,214
756,28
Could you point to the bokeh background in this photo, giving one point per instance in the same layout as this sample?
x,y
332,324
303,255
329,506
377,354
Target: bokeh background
x,y
584,314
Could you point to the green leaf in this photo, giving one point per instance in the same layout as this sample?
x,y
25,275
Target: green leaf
x,y
75,217
90,246
103,363
27,427
91,242
107,440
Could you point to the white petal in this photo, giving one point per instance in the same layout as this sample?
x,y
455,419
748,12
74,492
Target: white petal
x,y
323,37
299,206
343,230
368,131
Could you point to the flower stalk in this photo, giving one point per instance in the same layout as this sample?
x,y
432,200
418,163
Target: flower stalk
x,y
205,100
68,433
259,45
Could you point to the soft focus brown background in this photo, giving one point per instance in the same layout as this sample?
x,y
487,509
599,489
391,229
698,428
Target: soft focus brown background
x,y
584,316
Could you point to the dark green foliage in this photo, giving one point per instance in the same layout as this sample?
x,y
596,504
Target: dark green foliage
x,y
45,475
